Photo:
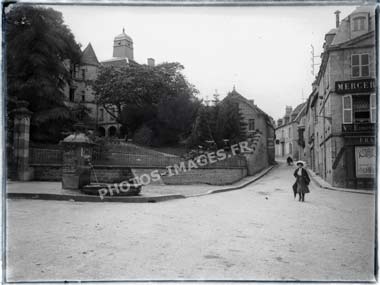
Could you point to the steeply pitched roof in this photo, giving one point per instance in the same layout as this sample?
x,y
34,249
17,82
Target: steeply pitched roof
x,y
234,95
295,114
298,108
89,56
302,111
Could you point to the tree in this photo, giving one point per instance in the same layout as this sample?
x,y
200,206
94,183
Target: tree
x,y
230,123
159,98
216,123
129,86
202,130
38,44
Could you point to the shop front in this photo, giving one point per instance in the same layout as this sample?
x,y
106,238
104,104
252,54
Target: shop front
x,y
358,131
360,158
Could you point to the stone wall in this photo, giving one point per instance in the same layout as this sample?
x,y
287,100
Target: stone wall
x,y
213,176
47,172
258,160
106,174
115,174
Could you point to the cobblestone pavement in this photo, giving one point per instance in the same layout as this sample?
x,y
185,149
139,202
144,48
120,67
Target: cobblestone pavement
x,y
257,233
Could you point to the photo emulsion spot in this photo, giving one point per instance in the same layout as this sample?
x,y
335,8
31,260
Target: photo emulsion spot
x,y
195,141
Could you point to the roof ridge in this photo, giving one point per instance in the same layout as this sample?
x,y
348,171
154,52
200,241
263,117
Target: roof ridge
x,y
88,56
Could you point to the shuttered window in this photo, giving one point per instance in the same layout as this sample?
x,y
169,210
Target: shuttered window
x,y
347,109
373,108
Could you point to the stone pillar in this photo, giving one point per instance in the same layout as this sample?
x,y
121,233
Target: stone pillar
x,y
21,141
77,152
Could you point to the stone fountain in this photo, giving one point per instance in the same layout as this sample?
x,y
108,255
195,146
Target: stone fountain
x,y
77,167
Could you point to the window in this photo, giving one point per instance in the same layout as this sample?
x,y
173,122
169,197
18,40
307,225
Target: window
x,y
83,96
361,109
76,71
83,74
113,112
72,71
358,24
290,133
315,115
282,133
347,109
373,108
71,94
360,65
251,124
101,114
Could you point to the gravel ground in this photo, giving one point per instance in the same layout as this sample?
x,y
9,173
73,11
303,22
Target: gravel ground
x,y
257,233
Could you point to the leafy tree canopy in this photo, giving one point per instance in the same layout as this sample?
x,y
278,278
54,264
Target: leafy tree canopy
x,y
216,123
38,47
158,97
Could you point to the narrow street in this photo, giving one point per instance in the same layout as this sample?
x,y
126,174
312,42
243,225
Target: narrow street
x,y
257,233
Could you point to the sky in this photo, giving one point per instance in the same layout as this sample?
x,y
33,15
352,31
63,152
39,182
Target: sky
x,y
265,52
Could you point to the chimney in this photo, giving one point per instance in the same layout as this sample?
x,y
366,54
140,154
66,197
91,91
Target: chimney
x,y
151,62
252,101
288,110
337,12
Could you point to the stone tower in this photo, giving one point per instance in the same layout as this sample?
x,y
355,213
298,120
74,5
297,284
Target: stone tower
x,y
123,46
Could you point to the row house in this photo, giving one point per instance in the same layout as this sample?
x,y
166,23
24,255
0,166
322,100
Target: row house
x,y
340,113
287,131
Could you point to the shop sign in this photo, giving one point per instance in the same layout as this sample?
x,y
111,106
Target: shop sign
x,y
365,158
360,140
355,86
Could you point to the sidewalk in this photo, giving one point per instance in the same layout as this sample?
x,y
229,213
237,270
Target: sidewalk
x,y
324,184
149,193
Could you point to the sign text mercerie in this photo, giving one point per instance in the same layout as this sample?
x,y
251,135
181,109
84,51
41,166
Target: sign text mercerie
x,y
355,86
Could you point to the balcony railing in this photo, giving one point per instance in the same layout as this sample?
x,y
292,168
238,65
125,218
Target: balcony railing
x,y
358,128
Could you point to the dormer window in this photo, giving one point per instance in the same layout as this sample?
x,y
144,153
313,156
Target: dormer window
x,y
358,24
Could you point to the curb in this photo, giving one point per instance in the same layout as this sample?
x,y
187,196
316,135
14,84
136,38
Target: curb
x,y
369,192
82,198
263,173
127,199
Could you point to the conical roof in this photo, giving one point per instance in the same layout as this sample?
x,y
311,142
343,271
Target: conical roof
x,y
89,56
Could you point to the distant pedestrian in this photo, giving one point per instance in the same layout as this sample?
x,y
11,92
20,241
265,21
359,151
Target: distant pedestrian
x,y
302,182
289,160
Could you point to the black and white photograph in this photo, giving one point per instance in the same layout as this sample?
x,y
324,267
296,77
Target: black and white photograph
x,y
205,141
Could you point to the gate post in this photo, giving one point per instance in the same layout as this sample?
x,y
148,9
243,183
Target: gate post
x,y
21,136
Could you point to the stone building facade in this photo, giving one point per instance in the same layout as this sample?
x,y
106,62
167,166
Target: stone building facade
x,y
340,118
257,122
287,130
79,91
